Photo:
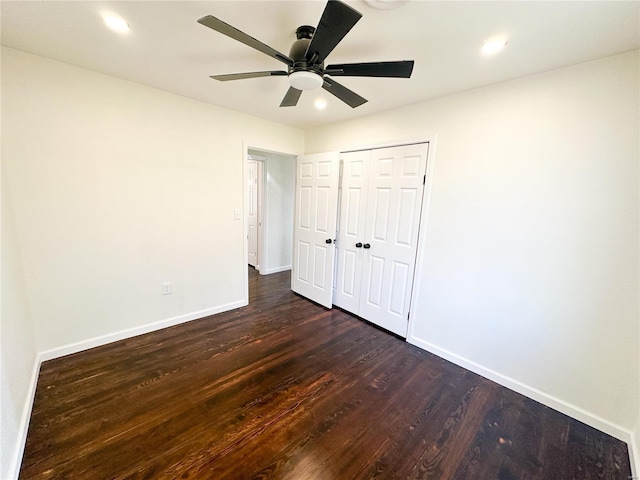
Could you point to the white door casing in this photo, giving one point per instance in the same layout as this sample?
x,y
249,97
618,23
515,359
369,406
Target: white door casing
x,y
315,226
380,210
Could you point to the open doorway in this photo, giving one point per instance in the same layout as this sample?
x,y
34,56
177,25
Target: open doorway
x,y
270,187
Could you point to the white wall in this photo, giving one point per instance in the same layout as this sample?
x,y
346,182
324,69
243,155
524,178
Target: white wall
x,y
17,345
115,188
118,188
279,200
529,264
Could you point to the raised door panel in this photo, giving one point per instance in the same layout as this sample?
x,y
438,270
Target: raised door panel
x,y
351,226
315,224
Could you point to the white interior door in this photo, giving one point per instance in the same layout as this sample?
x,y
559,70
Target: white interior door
x,y
253,212
315,226
351,229
390,241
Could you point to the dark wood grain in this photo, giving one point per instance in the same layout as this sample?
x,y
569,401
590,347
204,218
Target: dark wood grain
x,y
284,389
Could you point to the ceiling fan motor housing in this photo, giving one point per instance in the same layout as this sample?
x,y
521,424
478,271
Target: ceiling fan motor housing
x,y
298,52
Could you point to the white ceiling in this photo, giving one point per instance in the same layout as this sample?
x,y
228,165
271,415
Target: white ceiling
x,y
167,49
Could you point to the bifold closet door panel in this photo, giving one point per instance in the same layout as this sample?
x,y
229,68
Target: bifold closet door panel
x,y
392,223
351,229
315,226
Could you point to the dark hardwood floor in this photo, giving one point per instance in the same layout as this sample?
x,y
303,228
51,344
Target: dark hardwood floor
x,y
284,389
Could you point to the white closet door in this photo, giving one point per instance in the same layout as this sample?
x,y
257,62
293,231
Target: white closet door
x,y
252,173
390,241
351,229
315,226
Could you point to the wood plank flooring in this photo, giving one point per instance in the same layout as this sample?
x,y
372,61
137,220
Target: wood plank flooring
x,y
284,389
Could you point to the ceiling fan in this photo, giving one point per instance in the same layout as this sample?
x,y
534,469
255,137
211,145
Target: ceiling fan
x,y
305,62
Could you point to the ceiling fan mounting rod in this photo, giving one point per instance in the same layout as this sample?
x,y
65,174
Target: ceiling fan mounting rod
x,y
305,31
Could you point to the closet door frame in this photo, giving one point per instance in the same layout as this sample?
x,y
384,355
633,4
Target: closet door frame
x,y
396,188
431,140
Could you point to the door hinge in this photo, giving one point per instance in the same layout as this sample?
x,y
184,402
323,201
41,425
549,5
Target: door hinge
x,y
424,180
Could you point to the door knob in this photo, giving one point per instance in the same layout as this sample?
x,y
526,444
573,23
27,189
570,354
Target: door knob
x,y
358,245
366,245
328,240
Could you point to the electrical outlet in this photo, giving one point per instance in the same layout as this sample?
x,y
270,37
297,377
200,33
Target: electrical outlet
x,y
166,288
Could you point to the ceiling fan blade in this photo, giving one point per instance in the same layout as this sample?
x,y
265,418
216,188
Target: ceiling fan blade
x,y
241,76
336,21
401,69
343,93
232,32
291,97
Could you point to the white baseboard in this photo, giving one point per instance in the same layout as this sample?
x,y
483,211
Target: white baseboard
x,y
549,400
14,469
132,332
535,394
269,271
16,461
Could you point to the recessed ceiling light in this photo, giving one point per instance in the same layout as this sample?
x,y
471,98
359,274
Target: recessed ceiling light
x,y
116,24
492,47
320,103
385,4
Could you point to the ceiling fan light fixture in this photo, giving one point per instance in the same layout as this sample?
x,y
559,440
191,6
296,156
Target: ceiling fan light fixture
x,y
303,80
